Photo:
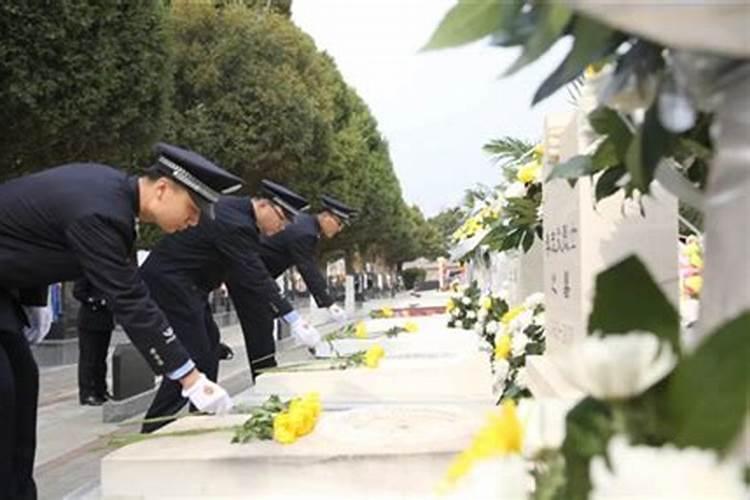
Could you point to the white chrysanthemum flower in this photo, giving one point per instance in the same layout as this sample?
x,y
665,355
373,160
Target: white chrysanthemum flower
x,y
518,344
492,327
534,300
479,327
522,377
666,473
502,367
516,190
455,312
538,319
521,321
616,366
543,423
482,313
466,301
502,477
471,315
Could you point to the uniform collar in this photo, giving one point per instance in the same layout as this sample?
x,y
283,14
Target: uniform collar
x,y
135,195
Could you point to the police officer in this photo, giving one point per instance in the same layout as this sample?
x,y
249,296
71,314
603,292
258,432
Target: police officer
x,y
95,324
297,245
80,220
184,268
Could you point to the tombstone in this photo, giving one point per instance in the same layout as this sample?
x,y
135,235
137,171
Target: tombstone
x,y
463,377
131,374
349,302
582,238
523,274
377,452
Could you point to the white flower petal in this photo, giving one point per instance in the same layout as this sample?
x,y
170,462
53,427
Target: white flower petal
x,y
666,473
616,366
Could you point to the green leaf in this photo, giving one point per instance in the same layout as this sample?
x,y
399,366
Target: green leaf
x,y
709,390
554,17
467,22
593,41
608,122
606,184
578,166
588,429
627,298
528,240
605,155
634,163
656,143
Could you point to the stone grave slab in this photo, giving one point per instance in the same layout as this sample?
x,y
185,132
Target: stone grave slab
x,y
409,345
462,377
373,452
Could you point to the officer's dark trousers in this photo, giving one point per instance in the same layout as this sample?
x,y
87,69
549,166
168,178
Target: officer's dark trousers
x,y
93,345
19,390
189,314
258,333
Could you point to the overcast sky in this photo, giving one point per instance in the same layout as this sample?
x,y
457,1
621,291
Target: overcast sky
x,y
438,108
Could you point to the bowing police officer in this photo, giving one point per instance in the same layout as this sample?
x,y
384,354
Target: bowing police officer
x,y
80,220
184,268
297,245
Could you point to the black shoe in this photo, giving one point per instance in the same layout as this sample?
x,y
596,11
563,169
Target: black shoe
x,y
225,352
91,400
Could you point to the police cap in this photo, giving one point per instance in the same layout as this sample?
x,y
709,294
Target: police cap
x,y
337,208
204,180
288,200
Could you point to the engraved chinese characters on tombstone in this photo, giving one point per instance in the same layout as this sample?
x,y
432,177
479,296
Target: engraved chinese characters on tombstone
x,y
583,237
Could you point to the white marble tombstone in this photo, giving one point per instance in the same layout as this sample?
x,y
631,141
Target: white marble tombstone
x,y
373,452
583,238
349,303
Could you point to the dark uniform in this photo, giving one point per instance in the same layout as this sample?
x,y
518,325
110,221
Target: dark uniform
x,y
181,271
95,325
58,225
297,245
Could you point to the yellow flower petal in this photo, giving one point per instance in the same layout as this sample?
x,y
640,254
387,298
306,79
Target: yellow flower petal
x,y
360,331
503,347
411,327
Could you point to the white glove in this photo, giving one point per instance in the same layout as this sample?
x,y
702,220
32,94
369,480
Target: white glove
x,y
305,333
40,322
337,313
208,396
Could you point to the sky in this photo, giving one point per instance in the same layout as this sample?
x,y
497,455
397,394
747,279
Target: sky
x,y
436,108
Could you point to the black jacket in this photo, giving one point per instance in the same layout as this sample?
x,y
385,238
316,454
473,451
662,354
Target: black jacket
x,y
223,250
79,220
297,245
94,313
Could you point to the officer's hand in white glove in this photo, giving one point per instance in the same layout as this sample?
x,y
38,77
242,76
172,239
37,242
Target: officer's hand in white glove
x,y
208,396
337,313
305,333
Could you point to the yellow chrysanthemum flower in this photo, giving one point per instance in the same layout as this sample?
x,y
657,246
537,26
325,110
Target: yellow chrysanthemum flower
x,y
283,430
503,347
529,172
694,285
449,306
512,313
360,331
486,303
592,70
312,400
411,327
538,150
387,312
373,355
501,435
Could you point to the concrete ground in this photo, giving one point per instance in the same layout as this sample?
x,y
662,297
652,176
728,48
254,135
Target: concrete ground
x,y
72,438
